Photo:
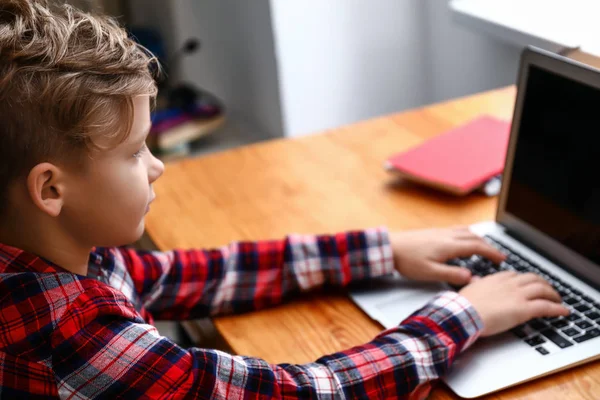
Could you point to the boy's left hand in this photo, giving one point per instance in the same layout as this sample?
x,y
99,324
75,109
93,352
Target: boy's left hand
x,y
422,254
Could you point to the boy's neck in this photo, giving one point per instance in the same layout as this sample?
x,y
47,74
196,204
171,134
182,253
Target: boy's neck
x,y
54,246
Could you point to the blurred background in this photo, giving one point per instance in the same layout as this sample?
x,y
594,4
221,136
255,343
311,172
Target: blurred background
x,y
281,68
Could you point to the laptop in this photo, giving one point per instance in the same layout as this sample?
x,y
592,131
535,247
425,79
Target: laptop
x,y
547,222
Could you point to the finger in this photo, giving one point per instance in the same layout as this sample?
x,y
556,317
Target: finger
x,y
529,278
486,250
453,275
463,232
509,274
544,308
541,291
501,277
465,248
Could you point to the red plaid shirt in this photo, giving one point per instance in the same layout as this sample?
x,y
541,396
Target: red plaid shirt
x,y
64,335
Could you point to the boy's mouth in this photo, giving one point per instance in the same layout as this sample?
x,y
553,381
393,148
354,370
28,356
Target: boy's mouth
x,y
148,205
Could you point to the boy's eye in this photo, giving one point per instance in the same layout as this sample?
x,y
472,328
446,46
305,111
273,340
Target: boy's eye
x,y
138,153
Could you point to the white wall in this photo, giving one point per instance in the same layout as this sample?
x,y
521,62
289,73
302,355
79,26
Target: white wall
x,y
464,61
342,61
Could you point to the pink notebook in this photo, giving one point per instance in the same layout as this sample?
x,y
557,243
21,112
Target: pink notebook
x,y
460,160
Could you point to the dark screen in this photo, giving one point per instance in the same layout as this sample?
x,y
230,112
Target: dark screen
x,y
555,182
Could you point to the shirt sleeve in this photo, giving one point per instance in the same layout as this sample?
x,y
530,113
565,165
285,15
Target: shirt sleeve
x,y
102,349
249,276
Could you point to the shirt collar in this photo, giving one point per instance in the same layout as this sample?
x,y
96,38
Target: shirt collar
x,y
14,260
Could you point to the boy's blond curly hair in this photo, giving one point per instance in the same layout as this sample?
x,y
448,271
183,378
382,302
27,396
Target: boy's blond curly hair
x,y
66,77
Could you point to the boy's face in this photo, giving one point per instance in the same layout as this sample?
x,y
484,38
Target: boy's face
x,y
106,203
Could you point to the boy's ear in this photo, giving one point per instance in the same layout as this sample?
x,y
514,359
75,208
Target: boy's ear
x,y
46,188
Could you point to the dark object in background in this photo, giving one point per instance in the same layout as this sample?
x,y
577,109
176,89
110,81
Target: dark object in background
x,y
183,97
184,112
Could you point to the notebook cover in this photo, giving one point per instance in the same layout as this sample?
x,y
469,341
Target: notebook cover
x,y
459,160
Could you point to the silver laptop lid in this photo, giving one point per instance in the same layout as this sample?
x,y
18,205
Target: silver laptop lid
x,y
550,195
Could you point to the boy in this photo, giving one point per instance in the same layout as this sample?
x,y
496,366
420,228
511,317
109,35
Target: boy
x,y
76,311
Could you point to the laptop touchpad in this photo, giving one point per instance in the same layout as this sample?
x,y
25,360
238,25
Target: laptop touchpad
x,y
395,298
407,301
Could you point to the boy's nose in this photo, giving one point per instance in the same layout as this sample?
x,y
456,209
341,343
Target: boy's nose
x,y
156,169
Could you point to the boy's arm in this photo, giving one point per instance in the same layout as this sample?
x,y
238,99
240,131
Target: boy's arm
x,y
102,349
249,276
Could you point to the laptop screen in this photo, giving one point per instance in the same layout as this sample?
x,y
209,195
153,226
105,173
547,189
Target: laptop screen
x,y
555,179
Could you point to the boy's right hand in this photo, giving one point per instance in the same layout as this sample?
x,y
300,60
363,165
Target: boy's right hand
x,y
507,299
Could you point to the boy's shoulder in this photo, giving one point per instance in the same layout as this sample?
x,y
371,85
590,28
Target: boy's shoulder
x,y
55,287
40,301
45,295
34,304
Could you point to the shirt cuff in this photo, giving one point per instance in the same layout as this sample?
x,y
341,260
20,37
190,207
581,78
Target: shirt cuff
x,y
379,255
449,316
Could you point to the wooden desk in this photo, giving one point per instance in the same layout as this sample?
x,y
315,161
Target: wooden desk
x,y
326,183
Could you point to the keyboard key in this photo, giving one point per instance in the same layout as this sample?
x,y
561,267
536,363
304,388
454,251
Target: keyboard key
x,y
571,300
588,299
560,282
554,319
573,317
589,334
584,308
563,292
552,282
535,341
537,324
542,350
556,338
577,292
584,324
593,315
520,332
513,257
504,266
560,323
571,332
475,258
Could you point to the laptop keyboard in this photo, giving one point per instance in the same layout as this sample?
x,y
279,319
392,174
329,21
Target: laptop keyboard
x,y
581,325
